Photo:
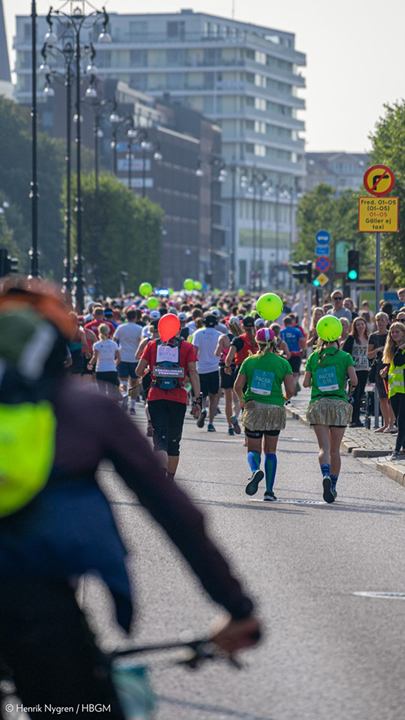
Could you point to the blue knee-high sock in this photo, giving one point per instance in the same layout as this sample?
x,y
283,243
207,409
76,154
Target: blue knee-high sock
x,y
253,459
334,479
325,469
270,468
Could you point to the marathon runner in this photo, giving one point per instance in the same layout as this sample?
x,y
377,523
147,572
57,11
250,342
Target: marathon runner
x,y
227,381
205,342
262,376
128,336
329,410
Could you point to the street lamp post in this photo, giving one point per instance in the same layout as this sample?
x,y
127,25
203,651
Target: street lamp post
x,y
72,25
218,174
34,264
232,266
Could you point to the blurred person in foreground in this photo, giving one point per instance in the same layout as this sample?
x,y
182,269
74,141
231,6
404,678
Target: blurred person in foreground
x,y
56,524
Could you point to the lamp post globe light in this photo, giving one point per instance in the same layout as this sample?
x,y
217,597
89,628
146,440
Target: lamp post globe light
x,y
82,16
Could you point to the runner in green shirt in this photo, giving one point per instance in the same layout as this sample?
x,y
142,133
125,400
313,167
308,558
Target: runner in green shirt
x,y
329,410
258,386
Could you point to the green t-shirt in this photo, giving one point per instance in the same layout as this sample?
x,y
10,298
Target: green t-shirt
x,y
329,376
264,378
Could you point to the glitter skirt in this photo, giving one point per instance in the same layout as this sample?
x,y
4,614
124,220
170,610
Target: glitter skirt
x,y
259,417
329,411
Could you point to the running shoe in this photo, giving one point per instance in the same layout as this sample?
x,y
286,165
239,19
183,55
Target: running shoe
x,y
125,403
235,423
218,411
149,432
231,432
210,427
253,484
201,419
132,411
269,495
328,495
395,456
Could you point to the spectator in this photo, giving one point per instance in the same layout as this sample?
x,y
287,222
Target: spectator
x,y
356,346
295,341
367,317
376,344
338,310
365,307
346,329
349,305
326,307
312,338
401,295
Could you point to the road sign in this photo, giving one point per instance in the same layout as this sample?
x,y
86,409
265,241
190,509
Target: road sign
x,y
322,264
379,180
378,214
322,237
322,279
322,250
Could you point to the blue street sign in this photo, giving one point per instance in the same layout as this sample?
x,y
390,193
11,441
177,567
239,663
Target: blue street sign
x,y
322,250
322,237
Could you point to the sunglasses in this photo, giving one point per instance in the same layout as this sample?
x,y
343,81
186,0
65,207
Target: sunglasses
x,y
338,297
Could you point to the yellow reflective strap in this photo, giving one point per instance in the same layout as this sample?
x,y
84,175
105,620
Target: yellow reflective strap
x,y
27,448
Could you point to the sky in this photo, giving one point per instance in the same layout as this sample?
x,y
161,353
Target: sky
x,y
354,50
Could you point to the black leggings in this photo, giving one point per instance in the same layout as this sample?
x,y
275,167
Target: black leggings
x,y
398,406
46,643
167,418
362,376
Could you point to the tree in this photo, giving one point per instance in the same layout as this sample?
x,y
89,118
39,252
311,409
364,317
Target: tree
x,y
388,141
15,177
323,209
121,232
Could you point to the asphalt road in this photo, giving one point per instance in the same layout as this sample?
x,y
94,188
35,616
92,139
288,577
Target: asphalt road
x,y
328,654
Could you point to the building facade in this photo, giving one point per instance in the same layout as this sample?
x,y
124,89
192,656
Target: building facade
x,y
340,170
243,77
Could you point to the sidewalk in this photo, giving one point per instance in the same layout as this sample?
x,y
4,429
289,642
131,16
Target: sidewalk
x,y
369,447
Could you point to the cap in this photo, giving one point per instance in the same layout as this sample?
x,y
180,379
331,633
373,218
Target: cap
x,y
210,321
248,321
233,319
182,316
215,312
259,323
264,335
154,315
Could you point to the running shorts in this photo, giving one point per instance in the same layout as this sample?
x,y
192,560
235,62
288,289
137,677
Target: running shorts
x,y
167,418
209,383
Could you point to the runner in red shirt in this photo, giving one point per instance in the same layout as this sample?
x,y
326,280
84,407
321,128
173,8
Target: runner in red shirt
x,y
167,397
98,315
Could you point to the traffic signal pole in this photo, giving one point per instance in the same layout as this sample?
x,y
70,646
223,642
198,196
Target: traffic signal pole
x,y
377,309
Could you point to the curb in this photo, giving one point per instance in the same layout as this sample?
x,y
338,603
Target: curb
x,y
392,471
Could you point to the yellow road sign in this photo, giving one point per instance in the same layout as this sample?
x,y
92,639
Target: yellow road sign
x,y
322,279
378,214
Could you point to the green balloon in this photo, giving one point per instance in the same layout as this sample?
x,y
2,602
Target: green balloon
x,y
216,291
269,306
152,303
189,284
145,289
197,285
329,328
171,291
241,292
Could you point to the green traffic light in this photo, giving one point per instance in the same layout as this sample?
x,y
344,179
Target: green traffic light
x,y
316,283
352,274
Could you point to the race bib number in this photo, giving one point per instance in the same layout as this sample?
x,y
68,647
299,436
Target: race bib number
x,y
167,353
326,379
262,382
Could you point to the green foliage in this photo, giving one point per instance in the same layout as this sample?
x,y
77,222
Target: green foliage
x,y
388,142
120,232
15,178
323,209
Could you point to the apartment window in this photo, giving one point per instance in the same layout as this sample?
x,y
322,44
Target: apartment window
x,y
137,29
260,80
260,150
176,57
250,148
138,58
104,58
208,104
27,32
250,78
260,104
242,272
176,29
139,81
176,81
212,56
260,127
260,57
215,29
250,125
208,81
207,29
250,54
250,102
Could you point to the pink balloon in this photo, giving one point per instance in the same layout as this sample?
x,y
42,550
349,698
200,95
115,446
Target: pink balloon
x,y
168,326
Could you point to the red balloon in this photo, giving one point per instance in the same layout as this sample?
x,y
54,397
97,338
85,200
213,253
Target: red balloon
x,y
168,326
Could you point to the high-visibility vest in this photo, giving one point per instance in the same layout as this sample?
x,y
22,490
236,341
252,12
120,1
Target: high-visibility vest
x,y
396,378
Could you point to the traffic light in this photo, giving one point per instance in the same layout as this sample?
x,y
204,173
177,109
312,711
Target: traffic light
x,y
302,271
353,265
7,263
316,283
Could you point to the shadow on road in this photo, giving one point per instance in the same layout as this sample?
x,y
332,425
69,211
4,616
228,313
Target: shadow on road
x,y
215,709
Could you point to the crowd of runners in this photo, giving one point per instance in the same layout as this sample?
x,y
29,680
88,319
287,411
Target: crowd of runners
x,y
195,349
